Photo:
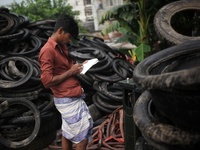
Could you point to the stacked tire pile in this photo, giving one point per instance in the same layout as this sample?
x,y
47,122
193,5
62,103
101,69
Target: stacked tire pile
x,y
167,112
99,81
29,119
26,108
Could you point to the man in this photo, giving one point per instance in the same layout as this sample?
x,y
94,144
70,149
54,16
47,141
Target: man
x,y
58,72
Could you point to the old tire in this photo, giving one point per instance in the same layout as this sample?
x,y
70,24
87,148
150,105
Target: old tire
x,y
162,21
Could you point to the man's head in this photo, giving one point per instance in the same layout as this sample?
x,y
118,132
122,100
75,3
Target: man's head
x,y
68,24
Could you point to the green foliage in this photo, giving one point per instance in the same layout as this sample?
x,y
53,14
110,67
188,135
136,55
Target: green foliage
x,y
141,50
135,21
37,10
131,20
122,21
119,12
42,9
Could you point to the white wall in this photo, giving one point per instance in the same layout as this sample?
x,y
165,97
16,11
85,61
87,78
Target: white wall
x,y
79,6
99,12
96,13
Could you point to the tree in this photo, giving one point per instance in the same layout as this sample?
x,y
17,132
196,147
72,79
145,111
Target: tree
x,y
37,10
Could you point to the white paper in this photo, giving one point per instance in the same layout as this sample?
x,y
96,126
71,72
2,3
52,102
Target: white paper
x,y
89,64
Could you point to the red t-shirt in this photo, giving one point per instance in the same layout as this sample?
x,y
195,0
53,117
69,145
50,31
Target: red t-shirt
x,y
53,62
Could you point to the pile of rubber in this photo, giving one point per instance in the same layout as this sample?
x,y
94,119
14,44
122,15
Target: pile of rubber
x,y
27,108
167,112
99,81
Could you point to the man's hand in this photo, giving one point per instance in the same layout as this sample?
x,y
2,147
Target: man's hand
x,y
76,69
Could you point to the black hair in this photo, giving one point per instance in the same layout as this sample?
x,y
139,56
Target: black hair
x,y
69,25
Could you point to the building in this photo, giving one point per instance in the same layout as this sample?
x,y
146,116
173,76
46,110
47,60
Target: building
x,y
91,10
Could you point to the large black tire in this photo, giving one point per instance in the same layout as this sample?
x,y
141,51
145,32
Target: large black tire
x,y
162,21
27,75
173,78
166,135
10,23
39,143
17,144
160,71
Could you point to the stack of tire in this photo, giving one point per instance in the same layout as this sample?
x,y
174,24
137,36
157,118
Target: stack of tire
x,y
167,112
28,118
99,81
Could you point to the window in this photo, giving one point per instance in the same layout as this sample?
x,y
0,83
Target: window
x,y
88,2
77,3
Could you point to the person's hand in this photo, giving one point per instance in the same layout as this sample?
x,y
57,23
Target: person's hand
x,y
76,69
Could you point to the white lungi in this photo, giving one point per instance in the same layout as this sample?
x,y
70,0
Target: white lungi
x,y
77,122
